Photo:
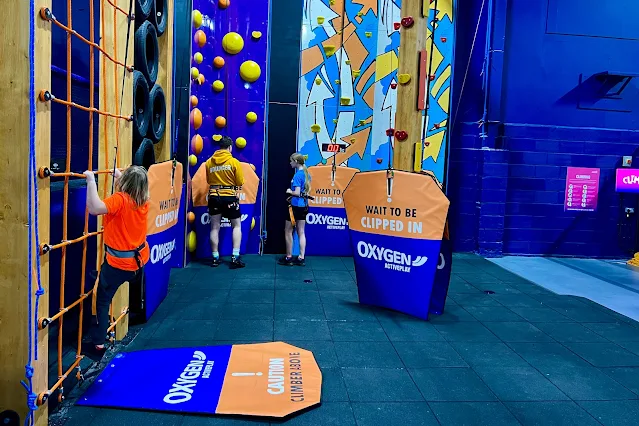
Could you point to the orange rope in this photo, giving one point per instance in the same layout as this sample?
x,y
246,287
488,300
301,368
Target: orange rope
x,y
70,31
42,397
69,104
125,311
69,242
115,84
118,8
63,311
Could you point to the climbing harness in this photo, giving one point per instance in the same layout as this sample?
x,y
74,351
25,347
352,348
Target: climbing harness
x,y
304,196
136,254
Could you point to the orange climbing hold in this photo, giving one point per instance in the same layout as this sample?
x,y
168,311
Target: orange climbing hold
x,y
201,79
197,144
194,101
218,62
191,217
223,4
196,118
220,122
200,38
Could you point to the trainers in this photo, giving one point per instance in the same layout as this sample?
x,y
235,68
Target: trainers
x,y
299,262
236,263
92,352
286,261
215,262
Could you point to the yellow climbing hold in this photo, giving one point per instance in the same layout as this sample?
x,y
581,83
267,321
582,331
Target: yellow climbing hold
x,y
217,138
218,86
355,73
362,121
192,160
403,78
348,61
198,58
197,18
329,50
232,43
250,71
368,34
344,101
315,128
318,81
252,223
335,120
192,241
338,82
320,20
256,35
251,117
360,13
195,73
240,142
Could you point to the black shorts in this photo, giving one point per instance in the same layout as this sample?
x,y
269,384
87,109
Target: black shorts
x,y
228,206
299,213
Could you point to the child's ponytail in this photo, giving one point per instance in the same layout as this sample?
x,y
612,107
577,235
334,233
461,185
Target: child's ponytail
x,y
301,159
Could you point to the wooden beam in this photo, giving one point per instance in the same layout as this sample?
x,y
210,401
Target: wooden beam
x,y
408,118
115,132
14,224
165,80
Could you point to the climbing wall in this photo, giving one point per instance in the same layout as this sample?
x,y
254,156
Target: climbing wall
x,y
348,81
228,98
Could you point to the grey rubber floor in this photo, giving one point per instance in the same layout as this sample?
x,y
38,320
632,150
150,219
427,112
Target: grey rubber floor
x,y
522,355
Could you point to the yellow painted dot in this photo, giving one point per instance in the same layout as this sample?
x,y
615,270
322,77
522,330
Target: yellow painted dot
x,y
251,117
232,43
250,71
218,86
240,142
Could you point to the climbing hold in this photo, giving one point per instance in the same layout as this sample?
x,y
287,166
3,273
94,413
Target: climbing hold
x,y
360,13
252,223
362,122
379,160
403,78
337,81
432,77
223,4
196,144
344,100
252,166
218,62
335,120
240,142
390,132
201,79
192,241
192,160
196,118
200,38
320,20
232,43
195,73
444,39
318,81
250,71
437,125
324,161
194,100
251,117
408,22
368,34
348,62
339,32
256,35
352,140
329,50
396,25
393,85
198,58
355,73
315,128
220,122
217,138
218,86
197,18
426,143
401,135
191,217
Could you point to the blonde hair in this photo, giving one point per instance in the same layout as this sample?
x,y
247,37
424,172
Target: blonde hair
x,y
301,159
135,183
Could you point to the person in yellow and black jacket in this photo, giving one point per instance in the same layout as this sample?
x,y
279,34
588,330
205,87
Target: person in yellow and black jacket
x,y
224,176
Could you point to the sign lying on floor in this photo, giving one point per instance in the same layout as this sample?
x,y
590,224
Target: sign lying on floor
x,y
397,223
326,224
266,379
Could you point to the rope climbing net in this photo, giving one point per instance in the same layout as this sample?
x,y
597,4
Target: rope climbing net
x,y
38,249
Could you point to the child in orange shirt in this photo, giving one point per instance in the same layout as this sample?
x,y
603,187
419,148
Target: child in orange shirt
x,y
125,216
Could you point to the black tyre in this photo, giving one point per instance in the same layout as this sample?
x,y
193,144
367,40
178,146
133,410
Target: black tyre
x,y
145,155
159,17
147,52
141,107
143,9
158,114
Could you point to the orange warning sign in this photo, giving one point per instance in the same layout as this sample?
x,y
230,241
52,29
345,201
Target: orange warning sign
x,y
165,191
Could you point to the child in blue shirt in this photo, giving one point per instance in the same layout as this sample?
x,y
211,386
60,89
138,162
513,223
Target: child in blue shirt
x,y
299,191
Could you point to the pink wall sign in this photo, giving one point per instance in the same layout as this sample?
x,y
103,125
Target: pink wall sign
x,y
582,189
627,180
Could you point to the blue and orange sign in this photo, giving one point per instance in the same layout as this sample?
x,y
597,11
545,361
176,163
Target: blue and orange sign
x,y
397,223
247,196
266,379
326,224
